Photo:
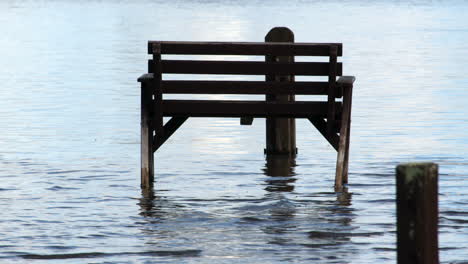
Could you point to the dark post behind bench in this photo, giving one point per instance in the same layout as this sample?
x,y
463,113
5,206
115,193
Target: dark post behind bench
x,y
280,132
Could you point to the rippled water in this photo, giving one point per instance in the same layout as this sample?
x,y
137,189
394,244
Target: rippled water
x,y
69,137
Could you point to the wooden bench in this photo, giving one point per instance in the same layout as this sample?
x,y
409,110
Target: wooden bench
x,y
331,115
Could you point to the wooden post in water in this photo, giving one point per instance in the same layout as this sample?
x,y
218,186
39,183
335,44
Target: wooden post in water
x,y
147,160
417,213
280,132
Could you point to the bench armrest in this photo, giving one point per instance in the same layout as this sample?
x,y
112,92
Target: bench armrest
x,y
146,77
346,81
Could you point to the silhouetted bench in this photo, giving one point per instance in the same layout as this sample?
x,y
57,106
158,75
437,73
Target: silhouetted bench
x,y
329,115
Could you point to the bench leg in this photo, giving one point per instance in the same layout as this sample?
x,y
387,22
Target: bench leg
x,y
345,166
341,175
147,159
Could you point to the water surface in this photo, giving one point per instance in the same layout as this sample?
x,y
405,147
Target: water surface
x,y
69,155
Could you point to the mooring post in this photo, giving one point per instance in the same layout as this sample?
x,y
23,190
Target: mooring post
x,y
417,213
147,160
280,132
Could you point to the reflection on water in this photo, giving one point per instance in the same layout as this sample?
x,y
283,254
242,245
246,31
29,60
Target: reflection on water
x,y
281,170
300,226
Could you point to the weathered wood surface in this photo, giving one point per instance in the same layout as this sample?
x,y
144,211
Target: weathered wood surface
x,y
245,67
341,175
147,167
332,73
417,213
243,87
281,132
246,120
157,93
244,48
236,108
240,87
346,82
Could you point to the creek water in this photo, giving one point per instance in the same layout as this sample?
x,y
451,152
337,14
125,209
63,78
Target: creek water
x,y
69,137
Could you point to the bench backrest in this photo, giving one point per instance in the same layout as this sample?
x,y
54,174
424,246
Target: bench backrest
x,y
269,68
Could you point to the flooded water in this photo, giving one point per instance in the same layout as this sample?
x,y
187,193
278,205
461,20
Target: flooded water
x,y
69,137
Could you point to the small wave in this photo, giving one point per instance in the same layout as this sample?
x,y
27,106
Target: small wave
x,y
63,172
59,188
325,235
455,220
382,201
162,253
453,213
7,189
384,249
251,219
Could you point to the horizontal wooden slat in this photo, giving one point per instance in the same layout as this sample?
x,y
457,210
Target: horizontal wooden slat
x,y
243,87
211,108
246,67
245,48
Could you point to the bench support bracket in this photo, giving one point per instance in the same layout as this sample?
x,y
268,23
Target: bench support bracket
x,y
169,128
321,126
